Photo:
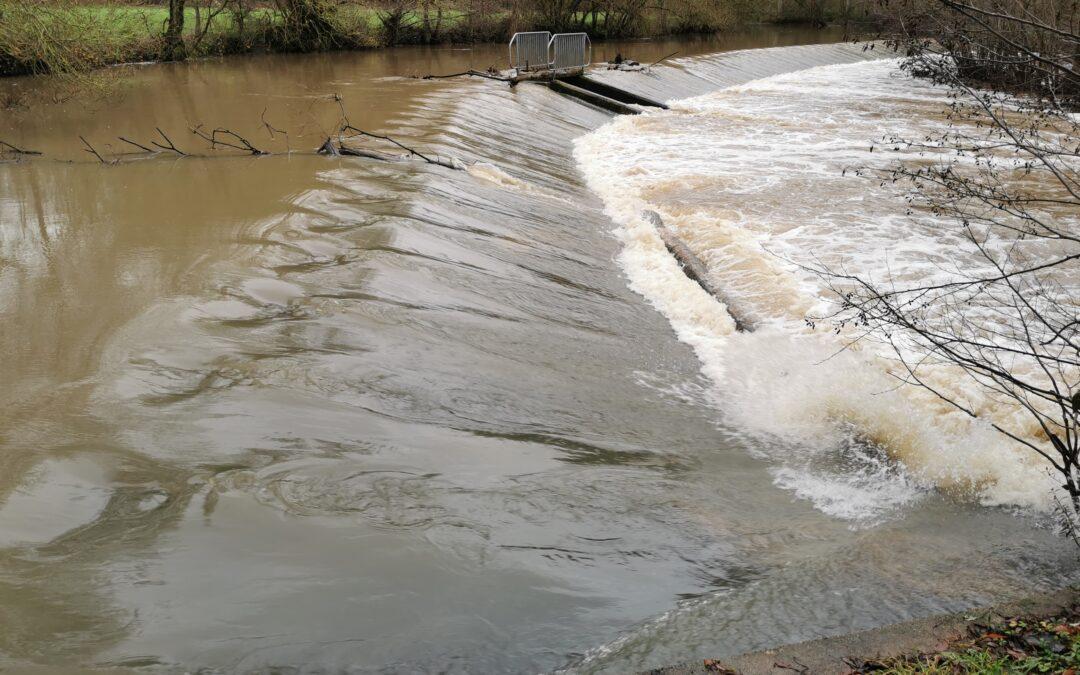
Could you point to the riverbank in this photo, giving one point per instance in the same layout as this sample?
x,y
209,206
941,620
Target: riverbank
x,y
1040,633
47,36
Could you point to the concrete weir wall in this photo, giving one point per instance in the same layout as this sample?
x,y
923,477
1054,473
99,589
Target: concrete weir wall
x,y
829,656
696,76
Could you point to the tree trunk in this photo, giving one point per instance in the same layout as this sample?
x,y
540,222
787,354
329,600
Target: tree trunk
x,y
174,33
239,14
425,8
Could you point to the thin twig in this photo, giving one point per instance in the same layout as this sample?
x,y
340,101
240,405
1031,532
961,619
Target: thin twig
x,y
347,126
438,161
18,150
663,59
361,132
171,146
270,129
90,149
214,141
137,145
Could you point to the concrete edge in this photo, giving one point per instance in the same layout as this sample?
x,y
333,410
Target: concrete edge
x,y
827,655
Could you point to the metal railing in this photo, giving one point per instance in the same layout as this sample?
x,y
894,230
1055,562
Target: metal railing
x,y
540,50
529,51
570,51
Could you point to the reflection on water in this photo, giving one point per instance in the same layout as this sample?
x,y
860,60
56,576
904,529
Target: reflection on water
x,y
337,413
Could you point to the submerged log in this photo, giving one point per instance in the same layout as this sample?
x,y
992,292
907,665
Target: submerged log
x,y
694,268
339,149
371,154
490,74
328,148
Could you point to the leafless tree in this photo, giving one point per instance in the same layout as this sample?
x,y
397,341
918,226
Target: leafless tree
x,y
396,18
306,24
205,15
1004,176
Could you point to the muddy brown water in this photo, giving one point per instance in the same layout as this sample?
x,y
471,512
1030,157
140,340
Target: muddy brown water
x,y
347,416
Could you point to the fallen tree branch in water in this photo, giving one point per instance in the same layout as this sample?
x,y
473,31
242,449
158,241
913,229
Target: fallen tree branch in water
x,y
663,59
361,132
270,129
17,150
489,75
171,147
328,148
438,161
90,149
221,137
137,145
214,141
347,126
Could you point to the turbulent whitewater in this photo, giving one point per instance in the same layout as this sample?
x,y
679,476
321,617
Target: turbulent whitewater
x,y
762,180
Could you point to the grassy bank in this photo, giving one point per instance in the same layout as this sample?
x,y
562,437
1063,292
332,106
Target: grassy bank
x,y
68,36
1020,644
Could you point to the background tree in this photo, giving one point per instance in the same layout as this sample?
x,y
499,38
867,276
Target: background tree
x,y
174,31
307,25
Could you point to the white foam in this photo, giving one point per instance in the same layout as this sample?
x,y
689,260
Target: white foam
x,y
757,180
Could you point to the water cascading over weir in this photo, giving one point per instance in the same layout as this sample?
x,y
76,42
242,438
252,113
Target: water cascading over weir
x,y
561,61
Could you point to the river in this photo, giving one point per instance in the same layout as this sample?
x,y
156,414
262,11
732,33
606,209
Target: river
x,y
362,416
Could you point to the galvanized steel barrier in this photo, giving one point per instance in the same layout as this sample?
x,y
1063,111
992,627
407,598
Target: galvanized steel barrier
x,y
570,51
529,51
540,50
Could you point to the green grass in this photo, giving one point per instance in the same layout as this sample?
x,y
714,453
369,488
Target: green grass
x,y
1016,646
49,36
149,22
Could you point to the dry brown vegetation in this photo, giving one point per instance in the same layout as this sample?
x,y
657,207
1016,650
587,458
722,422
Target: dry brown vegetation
x,y
1018,46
